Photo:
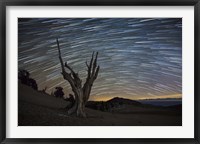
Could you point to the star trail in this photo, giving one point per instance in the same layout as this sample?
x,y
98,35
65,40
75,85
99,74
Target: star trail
x,y
138,57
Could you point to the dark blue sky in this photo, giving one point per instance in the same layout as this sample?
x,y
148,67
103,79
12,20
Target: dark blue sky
x,y
138,57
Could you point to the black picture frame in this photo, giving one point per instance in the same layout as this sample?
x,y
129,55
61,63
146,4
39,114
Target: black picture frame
x,y
5,3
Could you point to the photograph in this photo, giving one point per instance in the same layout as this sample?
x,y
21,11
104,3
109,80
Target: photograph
x,y
99,71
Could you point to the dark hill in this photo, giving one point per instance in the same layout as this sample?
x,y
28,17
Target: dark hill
x,y
111,104
122,101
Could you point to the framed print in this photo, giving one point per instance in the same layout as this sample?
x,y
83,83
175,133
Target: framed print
x,y
99,72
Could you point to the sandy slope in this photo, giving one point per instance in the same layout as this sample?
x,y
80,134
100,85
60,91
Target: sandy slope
x,y
38,109
27,94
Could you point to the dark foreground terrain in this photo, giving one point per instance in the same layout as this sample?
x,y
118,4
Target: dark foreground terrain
x,y
39,109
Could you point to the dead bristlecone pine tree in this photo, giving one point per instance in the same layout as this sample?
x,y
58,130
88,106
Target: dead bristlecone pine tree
x,y
81,92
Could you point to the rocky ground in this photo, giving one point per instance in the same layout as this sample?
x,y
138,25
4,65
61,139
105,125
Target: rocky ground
x,y
39,109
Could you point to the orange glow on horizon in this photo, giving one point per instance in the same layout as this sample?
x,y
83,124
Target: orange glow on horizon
x,y
106,98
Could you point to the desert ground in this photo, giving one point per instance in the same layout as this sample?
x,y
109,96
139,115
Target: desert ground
x,y
40,109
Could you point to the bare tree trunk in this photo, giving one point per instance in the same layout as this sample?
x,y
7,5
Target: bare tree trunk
x,y
80,110
82,94
73,108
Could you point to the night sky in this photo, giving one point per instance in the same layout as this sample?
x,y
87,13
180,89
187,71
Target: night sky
x,y
138,57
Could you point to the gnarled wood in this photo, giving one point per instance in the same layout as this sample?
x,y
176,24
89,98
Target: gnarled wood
x,y
82,94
